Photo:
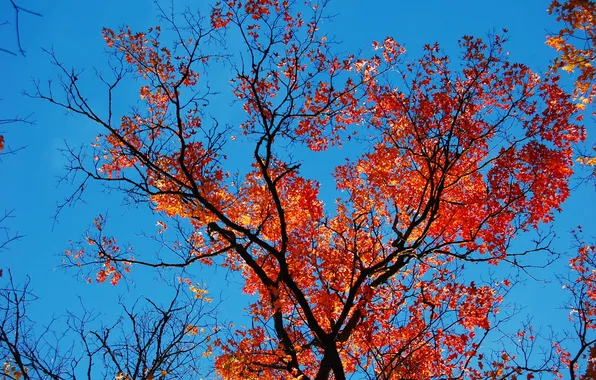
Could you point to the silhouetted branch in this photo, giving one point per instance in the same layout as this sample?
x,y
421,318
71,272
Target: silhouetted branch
x,y
150,340
7,236
17,17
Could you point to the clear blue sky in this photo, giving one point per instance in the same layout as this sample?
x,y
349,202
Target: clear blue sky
x,y
72,29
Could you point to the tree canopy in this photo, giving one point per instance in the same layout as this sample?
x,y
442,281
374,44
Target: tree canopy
x,y
450,158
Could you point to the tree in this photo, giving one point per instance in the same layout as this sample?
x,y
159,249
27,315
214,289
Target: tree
x,y
149,341
459,160
581,285
576,45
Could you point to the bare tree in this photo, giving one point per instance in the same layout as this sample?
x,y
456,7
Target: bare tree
x,y
148,341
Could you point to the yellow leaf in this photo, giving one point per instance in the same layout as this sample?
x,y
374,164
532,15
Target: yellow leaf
x,y
569,68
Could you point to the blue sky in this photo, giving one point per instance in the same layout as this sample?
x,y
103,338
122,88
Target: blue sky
x,y
72,29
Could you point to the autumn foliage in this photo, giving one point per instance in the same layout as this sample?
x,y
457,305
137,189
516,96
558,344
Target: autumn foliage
x,y
459,157
581,286
575,43
576,46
